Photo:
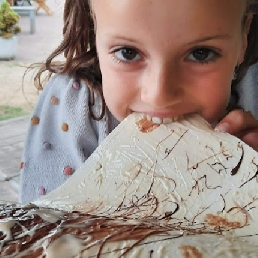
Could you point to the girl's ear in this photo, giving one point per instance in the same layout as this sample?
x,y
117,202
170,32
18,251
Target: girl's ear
x,y
245,32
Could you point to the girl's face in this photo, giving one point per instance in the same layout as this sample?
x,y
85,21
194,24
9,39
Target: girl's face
x,y
171,57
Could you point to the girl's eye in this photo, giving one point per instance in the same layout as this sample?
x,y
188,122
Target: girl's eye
x,y
127,54
202,55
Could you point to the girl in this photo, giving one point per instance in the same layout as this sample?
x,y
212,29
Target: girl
x,y
162,58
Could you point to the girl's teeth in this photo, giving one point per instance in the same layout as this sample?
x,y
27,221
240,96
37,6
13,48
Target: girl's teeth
x,y
158,120
148,117
168,120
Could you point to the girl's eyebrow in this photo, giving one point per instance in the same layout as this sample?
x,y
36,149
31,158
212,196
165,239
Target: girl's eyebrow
x,y
208,38
120,37
196,41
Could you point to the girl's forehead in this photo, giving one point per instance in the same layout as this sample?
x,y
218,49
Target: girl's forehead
x,y
155,13
144,4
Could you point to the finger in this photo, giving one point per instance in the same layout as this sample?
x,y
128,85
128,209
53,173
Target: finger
x,y
237,122
251,139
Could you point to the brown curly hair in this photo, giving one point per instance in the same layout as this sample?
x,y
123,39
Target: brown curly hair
x,y
81,61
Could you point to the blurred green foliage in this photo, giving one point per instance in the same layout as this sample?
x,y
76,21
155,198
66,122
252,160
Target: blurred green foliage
x,y
7,112
8,21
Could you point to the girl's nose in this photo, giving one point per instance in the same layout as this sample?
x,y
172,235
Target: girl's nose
x,y
161,87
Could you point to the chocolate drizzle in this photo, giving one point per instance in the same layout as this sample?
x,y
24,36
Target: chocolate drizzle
x,y
146,126
31,235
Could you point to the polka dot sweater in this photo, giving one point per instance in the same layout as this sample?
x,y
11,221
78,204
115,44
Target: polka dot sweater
x,y
60,137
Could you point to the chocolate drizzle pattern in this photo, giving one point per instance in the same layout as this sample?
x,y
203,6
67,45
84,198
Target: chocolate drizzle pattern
x,y
146,194
31,231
